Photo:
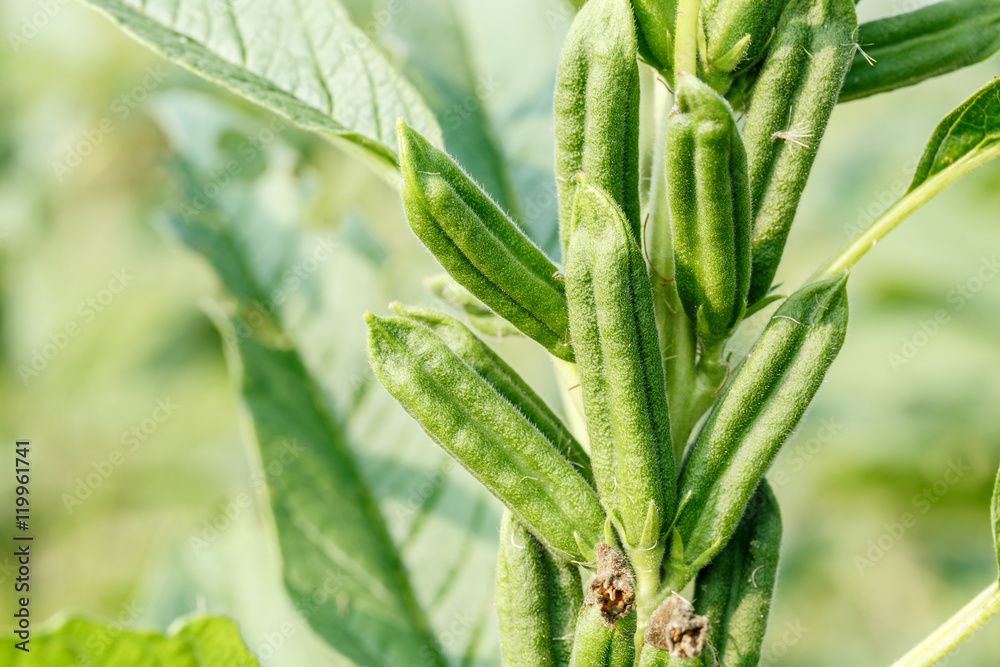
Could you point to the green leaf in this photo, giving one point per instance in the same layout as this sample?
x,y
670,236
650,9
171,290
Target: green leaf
x,y
190,642
908,48
492,95
303,60
303,378
760,407
969,134
341,565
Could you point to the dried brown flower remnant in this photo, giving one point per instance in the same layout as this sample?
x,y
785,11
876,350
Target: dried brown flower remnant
x,y
612,586
674,627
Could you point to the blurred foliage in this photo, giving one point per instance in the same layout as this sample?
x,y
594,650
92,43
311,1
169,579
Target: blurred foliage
x,y
881,433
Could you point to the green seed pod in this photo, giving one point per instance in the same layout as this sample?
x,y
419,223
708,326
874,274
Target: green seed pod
x,y
790,106
758,410
710,213
503,379
597,645
736,588
656,19
621,375
597,109
480,317
737,33
479,245
537,600
907,48
488,435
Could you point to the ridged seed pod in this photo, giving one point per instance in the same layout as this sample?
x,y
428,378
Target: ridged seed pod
x,y
482,248
597,109
736,588
760,407
503,379
621,375
597,645
737,33
488,435
908,48
795,94
537,600
710,212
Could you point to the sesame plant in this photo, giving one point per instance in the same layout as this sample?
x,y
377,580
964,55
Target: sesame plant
x,y
638,528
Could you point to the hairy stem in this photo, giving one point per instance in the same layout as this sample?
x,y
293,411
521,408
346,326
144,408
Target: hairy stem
x,y
686,44
855,249
955,630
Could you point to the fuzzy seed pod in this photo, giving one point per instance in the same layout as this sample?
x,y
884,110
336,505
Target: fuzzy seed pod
x,y
767,395
656,20
597,109
537,599
621,374
737,33
606,625
736,588
503,379
482,248
488,435
798,86
710,212
908,48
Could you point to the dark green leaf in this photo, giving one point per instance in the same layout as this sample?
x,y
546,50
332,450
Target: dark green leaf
x,y
968,135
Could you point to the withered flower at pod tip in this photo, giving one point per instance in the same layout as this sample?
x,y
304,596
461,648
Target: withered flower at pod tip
x,y
612,587
674,627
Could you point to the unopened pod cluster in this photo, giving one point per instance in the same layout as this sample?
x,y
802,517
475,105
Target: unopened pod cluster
x,y
607,523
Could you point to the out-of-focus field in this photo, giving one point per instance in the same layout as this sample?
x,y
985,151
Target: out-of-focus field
x,y
137,433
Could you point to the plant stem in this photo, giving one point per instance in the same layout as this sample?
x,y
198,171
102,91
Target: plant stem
x,y
956,629
855,249
686,43
677,342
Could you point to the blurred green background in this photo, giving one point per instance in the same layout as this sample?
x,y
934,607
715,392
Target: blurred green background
x,y
909,399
